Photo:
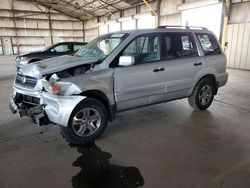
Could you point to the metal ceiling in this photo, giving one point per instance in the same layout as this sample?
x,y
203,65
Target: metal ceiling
x,y
87,9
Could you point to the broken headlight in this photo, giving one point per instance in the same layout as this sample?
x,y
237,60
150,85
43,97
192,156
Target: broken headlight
x,y
53,85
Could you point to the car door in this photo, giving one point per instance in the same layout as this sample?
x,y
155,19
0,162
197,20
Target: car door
x,y
183,64
213,57
135,85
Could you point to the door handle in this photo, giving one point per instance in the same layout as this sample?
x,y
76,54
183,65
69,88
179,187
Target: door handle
x,y
158,69
198,64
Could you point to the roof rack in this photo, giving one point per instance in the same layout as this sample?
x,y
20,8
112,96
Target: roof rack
x,y
180,27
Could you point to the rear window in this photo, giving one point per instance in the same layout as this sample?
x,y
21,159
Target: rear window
x,y
209,44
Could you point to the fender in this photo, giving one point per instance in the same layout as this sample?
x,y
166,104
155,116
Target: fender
x,y
206,71
59,108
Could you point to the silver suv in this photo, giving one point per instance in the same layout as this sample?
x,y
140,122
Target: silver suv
x,y
117,72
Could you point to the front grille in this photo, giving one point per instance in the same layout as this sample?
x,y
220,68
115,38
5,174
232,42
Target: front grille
x,y
21,98
31,100
25,81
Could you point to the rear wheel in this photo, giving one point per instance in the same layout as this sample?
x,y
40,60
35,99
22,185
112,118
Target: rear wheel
x,y
86,123
203,94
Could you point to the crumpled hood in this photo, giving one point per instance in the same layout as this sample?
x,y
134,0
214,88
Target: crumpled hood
x,y
52,65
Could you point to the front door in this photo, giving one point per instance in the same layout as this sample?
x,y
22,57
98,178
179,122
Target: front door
x,y
136,85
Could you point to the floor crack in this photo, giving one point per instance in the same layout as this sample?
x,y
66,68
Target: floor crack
x,y
235,107
24,136
44,140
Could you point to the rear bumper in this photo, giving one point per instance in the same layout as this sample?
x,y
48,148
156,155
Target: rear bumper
x,y
57,109
221,79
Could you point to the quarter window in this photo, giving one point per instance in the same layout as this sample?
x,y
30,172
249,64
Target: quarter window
x,y
144,49
179,45
209,44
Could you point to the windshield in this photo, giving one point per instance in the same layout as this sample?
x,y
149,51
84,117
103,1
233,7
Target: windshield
x,y
101,47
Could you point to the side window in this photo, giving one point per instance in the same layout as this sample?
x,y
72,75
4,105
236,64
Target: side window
x,y
144,49
179,45
186,43
209,44
77,47
62,48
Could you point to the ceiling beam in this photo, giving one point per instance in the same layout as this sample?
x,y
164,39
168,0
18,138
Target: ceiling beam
x,y
110,5
83,13
105,6
86,4
75,7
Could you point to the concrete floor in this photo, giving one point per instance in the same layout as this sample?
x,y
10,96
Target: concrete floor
x,y
166,145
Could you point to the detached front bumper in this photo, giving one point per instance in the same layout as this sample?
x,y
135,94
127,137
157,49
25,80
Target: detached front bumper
x,y
57,109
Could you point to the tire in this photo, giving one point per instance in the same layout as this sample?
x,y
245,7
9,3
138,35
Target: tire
x,y
203,94
87,122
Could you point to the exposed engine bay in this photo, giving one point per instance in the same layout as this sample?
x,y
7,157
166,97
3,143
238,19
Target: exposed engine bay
x,y
74,71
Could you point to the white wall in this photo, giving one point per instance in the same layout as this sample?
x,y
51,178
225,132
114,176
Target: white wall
x,y
207,16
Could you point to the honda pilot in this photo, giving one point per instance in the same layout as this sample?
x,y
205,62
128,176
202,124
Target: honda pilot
x,y
118,72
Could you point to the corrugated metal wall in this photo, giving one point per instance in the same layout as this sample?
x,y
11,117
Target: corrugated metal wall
x,y
238,37
31,31
238,50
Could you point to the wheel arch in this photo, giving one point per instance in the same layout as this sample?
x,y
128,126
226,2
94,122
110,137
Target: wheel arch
x,y
100,96
209,76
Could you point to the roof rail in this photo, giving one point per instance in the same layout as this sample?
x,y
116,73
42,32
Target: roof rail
x,y
197,27
180,27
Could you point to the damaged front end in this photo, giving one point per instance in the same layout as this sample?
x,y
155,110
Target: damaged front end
x,y
50,109
29,106
44,94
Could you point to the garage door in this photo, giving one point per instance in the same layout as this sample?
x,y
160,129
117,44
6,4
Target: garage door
x,y
208,16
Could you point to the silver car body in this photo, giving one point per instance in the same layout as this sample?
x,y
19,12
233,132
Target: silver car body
x,y
123,88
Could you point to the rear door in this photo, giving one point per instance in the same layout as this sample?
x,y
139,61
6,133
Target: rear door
x,y
142,83
213,57
183,63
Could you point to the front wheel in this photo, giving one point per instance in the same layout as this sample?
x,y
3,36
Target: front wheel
x,y
87,122
203,94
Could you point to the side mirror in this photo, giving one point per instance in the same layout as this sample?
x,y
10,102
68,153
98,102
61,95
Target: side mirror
x,y
126,60
52,50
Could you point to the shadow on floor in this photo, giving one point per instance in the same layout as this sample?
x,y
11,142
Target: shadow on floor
x,y
98,172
